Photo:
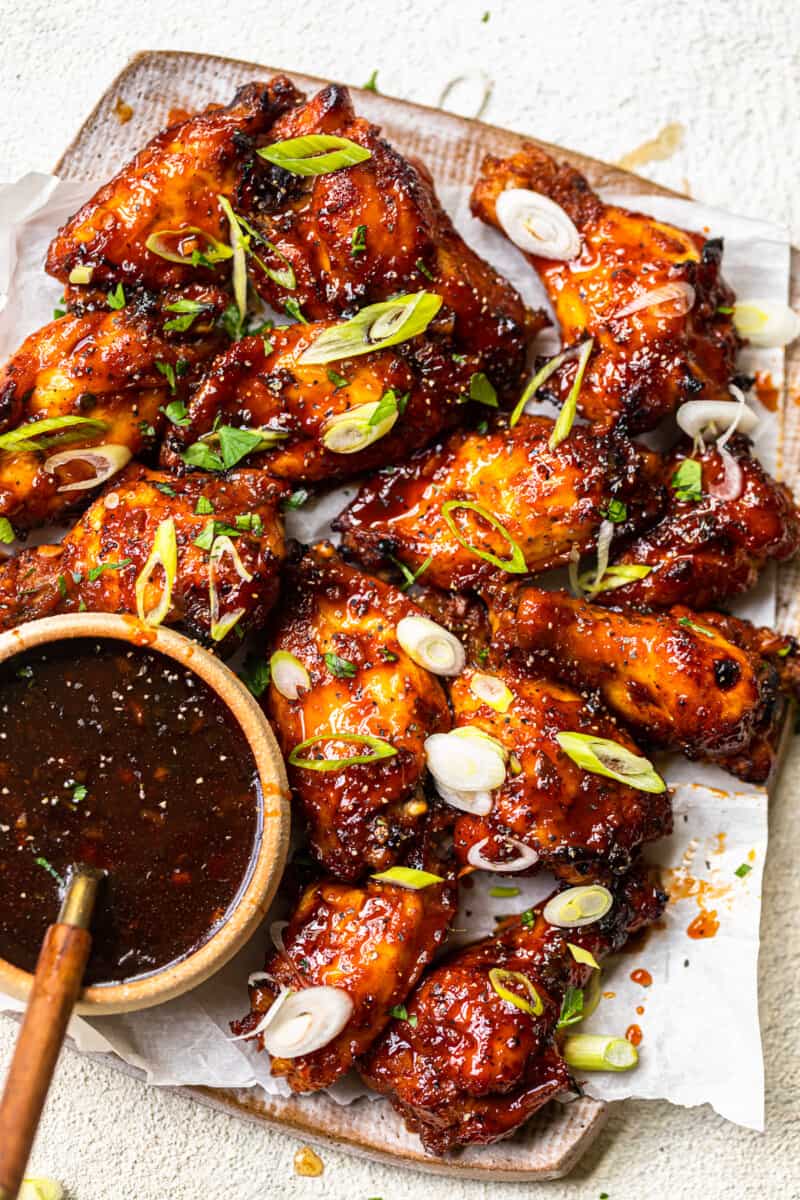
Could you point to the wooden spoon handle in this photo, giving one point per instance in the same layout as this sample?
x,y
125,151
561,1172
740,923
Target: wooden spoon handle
x,y
59,972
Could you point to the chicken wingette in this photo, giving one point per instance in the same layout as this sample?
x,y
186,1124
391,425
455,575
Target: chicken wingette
x,y
353,692
213,570
482,505
578,824
652,351
467,1065
676,683
372,940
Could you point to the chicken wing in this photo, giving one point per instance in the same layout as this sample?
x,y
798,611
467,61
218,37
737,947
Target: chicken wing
x,y
467,1065
370,231
650,353
715,536
260,382
372,940
480,500
674,682
365,698
97,565
581,825
106,377
171,187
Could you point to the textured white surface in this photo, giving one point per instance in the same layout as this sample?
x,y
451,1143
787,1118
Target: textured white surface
x,y
601,77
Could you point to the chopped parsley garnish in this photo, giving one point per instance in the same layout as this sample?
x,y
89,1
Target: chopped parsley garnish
x,y
743,870
296,500
571,1008
388,404
255,674
409,576
336,379
25,672
528,919
48,866
235,443
95,572
166,489
616,511
214,529
168,371
400,1013
372,83
480,389
199,259
687,624
189,312
424,269
7,534
175,412
687,482
358,240
292,309
482,654
233,323
386,655
482,427
342,668
116,297
59,312
62,587
79,792
203,506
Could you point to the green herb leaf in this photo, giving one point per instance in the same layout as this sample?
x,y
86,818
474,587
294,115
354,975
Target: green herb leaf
x,y
296,500
424,269
386,407
168,371
687,482
47,866
175,412
7,534
358,241
342,668
571,1008
293,310
200,454
235,443
233,323
616,511
189,310
250,523
336,379
410,577
166,489
743,870
315,154
372,83
79,792
255,674
59,312
213,529
116,297
528,918
480,389
95,572
399,1012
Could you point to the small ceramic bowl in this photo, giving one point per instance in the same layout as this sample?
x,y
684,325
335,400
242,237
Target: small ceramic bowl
x,y
269,853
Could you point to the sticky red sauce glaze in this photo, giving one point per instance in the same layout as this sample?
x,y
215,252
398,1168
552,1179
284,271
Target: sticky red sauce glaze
x,y
634,1035
642,976
120,758
704,925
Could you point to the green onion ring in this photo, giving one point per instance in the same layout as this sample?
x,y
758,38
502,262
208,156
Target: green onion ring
x,y
515,565
381,749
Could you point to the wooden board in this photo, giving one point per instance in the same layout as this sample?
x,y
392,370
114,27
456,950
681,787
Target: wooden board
x,y
152,85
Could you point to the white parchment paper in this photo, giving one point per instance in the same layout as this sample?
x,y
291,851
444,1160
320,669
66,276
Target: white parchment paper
x,y
702,1002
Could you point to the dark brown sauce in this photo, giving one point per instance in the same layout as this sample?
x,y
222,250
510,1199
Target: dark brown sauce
x,y
118,757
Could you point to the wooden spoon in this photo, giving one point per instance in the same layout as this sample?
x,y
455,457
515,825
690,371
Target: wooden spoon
x,y
56,984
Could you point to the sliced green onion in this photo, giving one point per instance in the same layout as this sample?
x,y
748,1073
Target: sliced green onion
x,y
491,691
566,418
430,645
238,246
408,877
599,1052
481,390
503,893
164,554
375,328
314,154
411,577
766,322
215,251
288,675
541,376
221,626
515,565
40,1189
27,439
81,275
498,977
354,430
615,576
583,956
105,460
284,277
688,624
342,668
578,906
7,535
602,756
380,749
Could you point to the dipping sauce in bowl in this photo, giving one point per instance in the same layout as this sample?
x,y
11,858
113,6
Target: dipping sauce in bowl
x,y
120,757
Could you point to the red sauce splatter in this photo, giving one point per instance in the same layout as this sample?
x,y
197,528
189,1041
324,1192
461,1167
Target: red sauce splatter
x,y
766,391
705,925
633,1034
176,116
640,1009
641,976
609,995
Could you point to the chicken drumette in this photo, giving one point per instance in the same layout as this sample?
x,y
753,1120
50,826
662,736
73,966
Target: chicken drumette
x,y
579,824
676,683
651,352
363,698
482,504
373,940
468,1066
227,554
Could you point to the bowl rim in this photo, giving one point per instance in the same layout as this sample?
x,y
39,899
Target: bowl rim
x,y
271,848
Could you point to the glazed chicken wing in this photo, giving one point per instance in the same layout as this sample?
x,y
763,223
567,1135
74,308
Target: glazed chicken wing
x,y
651,353
365,698
676,683
106,378
260,383
223,568
367,232
171,187
479,500
715,536
581,825
373,941
468,1066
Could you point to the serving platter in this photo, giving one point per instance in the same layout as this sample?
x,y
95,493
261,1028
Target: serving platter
x,y
136,105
